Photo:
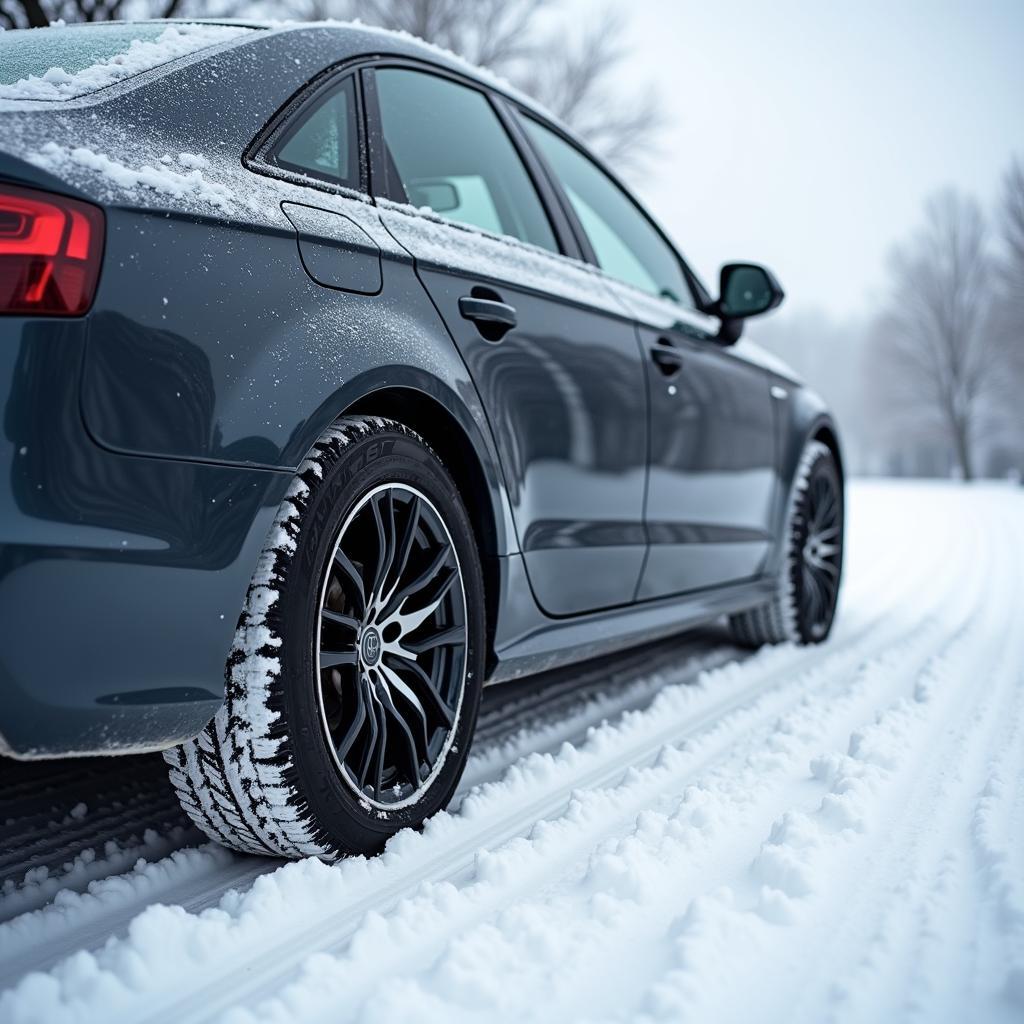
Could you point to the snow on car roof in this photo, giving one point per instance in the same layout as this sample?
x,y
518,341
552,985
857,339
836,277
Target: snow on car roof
x,y
64,62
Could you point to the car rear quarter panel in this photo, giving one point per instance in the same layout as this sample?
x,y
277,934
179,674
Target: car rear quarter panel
x,y
121,578
147,446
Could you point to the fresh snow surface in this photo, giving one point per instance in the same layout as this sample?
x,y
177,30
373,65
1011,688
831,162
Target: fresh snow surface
x,y
819,834
142,55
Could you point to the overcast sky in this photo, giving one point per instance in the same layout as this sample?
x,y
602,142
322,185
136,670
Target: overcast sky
x,y
806,135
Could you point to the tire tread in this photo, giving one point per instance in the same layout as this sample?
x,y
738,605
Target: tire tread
x,y
236,779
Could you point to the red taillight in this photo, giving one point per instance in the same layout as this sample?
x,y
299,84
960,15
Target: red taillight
x,y
50,252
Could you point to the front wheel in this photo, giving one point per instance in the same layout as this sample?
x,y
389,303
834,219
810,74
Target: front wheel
x,y
355,675
804,604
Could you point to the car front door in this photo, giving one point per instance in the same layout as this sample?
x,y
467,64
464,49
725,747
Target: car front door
x,y
556,362
712,450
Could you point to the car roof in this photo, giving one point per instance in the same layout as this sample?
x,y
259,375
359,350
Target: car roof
x,y
357,39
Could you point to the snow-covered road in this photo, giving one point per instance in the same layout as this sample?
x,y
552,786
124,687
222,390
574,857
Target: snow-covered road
x,y
830,833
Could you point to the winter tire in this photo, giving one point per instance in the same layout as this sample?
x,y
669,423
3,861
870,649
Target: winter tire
x,y
354,678
804,604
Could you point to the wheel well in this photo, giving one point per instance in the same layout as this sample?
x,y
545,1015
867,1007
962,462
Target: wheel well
x,y
827,436
443,432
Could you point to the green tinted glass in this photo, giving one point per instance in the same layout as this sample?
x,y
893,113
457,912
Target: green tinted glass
x,y
453,155
322,142
627,245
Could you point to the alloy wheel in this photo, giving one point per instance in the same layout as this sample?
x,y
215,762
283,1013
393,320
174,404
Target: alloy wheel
x,y
391,643
821,553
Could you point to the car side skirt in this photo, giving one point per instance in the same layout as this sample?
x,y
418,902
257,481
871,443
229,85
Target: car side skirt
x,y
527,641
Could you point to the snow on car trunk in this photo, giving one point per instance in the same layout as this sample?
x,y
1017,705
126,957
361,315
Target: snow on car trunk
x,y
64,62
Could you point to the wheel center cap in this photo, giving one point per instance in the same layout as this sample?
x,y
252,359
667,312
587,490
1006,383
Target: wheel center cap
x,y
369,647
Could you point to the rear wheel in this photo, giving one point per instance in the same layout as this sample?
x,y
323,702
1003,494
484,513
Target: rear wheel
x,y
354,680
807,589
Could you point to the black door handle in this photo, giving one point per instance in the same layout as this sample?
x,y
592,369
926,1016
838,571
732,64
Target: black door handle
x,y
668,360
492,317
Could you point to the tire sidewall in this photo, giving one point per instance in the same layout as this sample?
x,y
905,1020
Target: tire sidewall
x,y
382,457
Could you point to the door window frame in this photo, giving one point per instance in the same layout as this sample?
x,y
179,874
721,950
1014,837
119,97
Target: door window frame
x,y
383,185
699,295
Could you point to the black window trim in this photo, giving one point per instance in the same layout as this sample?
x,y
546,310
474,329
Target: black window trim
x,y
374,180
380,176
256,157
700,296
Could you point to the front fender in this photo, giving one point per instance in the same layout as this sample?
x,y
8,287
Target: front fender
x,y
800,417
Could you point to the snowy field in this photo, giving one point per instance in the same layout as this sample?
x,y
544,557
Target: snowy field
x,y
825,834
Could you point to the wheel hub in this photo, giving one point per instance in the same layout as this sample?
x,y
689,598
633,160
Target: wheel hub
x,y
370,647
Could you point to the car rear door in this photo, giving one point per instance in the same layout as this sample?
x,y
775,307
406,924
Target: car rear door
x,y
712,448
556,362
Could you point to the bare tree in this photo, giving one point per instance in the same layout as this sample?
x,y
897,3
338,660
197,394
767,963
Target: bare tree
x,y
1008,306
576,82
39,13
938,370
1010,296
491,33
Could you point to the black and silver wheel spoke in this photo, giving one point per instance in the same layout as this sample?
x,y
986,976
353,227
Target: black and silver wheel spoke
x,y
453,635
354,577
385,523
355,725
392,645
403,549
427,687
423,579
369,750
331,659
396,684
412,751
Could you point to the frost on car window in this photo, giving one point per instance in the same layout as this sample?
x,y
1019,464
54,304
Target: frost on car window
x,y
63,62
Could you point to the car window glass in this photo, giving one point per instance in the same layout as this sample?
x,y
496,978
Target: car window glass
x,y
322,142
627,245
453,156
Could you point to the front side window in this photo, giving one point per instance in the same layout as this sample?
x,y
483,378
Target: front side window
x,y
452,155
627,245
322,143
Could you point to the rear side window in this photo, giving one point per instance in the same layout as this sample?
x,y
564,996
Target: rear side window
x,y
322,142
452,154
627,245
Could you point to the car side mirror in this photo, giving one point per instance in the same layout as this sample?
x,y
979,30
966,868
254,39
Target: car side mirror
x,y
745,289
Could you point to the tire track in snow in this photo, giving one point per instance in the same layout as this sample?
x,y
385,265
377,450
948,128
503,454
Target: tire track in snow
x,y
104,845
920,936
349,982
997,835
196,876
895,771
581,843
389,892
873,633
855,632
